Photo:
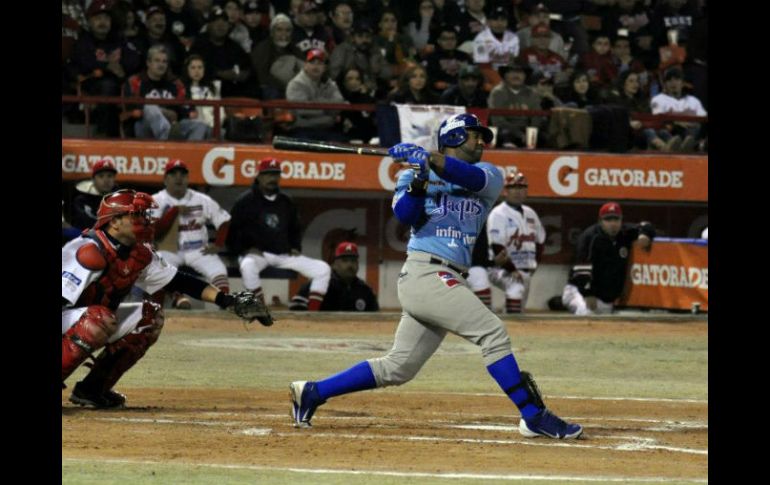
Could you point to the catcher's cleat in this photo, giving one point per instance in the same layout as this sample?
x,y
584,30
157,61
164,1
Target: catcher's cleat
x,y
547,424
100,400
304,401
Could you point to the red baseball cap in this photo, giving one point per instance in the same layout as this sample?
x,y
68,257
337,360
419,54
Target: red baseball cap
x,y
516,179
176,164
610,209
315,54
97,7
269,165
346,248
102,165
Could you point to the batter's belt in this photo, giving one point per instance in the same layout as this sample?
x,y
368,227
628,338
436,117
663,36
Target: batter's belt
x,y
432,259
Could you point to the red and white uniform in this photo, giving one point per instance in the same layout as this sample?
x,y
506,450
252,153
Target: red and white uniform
x,y
84,286
519,233
487,49
193,234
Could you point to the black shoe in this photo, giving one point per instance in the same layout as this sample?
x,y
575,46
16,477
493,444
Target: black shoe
x,y
99,400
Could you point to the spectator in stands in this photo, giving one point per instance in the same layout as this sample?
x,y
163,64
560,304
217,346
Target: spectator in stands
x,y
513,93
125,17
158,121
539,15
200,85
643,49
673,101
631,15
226,60
579,93
543,85
265,230
444,63
424,25
570,26
201,9
256,18
312,85
104,61
597,279
625,61
239,33
540,59
469,90
157,33
496,45
627,93
447,13
86,202
182,21
599,63
307,33
676,15
342,22
472,22
398,48
359,51
181,236
413,88
347,292
357,125
276,60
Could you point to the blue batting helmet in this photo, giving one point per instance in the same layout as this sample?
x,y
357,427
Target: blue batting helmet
x,y
454,130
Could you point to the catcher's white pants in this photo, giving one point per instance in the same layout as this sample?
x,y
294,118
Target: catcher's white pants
x,y
317,271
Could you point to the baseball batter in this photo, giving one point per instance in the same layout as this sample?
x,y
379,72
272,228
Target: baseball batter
x,y
98,270
445,197
516,241
193,210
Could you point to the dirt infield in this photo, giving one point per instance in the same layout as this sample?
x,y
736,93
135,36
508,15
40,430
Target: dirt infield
x,y
402,429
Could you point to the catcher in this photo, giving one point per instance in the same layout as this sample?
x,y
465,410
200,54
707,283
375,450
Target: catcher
x,y
98,270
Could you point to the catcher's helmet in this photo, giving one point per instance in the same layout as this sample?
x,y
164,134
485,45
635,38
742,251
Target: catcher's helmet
x,y
125,201
454,130
516,179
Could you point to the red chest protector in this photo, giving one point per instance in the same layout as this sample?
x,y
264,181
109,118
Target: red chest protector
x,y
118,276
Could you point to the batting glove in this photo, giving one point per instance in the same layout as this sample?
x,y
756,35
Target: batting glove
x,y
418,162
402,151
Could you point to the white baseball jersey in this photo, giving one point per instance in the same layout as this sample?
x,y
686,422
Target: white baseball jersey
x,y
192,226
519,233
686,105
75,278
487,49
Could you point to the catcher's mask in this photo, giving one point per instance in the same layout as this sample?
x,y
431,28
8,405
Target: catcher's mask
x,y
128,201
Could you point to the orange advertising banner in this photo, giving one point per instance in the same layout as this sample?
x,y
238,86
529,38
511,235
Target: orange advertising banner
x,y
673,275
551,174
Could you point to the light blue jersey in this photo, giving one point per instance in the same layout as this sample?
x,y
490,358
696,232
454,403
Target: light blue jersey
x,y
453,215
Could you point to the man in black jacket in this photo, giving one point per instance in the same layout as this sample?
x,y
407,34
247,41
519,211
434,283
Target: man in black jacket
x,y
265,231
598,277
347,292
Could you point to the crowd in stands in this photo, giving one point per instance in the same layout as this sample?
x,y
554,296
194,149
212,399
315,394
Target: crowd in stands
x,y
603,56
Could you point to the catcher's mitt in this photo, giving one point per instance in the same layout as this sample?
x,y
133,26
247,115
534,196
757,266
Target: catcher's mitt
x,y
250,308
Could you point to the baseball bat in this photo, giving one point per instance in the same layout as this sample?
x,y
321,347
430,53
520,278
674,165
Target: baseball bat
x,y
303,145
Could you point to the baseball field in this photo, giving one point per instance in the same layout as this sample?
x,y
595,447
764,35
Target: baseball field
x,y
209,403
